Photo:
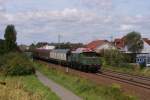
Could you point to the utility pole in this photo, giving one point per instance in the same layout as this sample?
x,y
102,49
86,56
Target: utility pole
x,y
111,38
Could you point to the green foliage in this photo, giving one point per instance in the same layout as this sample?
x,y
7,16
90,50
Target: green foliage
x,y
85,88
16,64
10,38
146,72
134,42
115,58
142,65
1,47
32,47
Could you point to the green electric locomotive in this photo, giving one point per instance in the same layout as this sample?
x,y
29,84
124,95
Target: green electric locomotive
x,y
85,61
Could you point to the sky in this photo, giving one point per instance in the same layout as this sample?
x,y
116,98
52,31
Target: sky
x,y
74,20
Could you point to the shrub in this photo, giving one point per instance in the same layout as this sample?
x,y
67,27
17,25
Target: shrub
x,y
2,62
115,58
17,64
142,65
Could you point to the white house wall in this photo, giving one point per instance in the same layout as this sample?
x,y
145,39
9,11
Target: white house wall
x,y
146,48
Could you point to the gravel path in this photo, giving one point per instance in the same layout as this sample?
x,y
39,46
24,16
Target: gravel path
x,y
63,93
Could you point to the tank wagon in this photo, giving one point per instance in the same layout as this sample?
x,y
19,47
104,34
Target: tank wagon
x,y
84,61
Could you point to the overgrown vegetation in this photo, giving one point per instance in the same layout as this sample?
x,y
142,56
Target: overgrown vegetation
x,y
24,88
86,89
115,58
16,64
117,61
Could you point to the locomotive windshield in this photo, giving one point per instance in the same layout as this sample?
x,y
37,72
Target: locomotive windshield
x,y
91,58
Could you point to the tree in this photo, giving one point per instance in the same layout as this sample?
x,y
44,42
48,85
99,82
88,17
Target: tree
x,y
1,46
10,38
134,42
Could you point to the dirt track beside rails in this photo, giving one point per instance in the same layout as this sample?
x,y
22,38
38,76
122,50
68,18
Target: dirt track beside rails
x,y
143,94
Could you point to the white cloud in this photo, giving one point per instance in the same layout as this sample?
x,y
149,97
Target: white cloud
x,y
72,22
126,27
98,4
65,16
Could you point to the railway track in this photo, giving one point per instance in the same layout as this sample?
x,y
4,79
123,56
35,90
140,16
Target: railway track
x,y
135,80
129,75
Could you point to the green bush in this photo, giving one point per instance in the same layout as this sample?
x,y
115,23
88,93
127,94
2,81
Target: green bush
x,y
16,64
2,62
142,65
115,58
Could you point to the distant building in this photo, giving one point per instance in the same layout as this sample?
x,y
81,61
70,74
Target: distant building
x,y
146,48
120,44
23,47
141,57
100,45
47,47
80,50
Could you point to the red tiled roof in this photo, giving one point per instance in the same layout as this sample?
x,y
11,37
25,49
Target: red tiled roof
x,y
119,43
94,44
146,40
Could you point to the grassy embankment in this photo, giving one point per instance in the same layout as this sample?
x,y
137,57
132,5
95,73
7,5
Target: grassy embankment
x,y
18,82
24,88
82,87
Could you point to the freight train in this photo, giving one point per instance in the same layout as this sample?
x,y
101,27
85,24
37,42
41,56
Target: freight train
x,y
84,61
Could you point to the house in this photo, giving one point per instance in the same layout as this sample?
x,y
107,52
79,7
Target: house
x,y
100,45
146,48
23,47
141,57
144,56
47,47
120,44
80,50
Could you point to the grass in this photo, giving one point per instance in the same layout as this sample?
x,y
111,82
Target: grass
x,y
84,88
24,88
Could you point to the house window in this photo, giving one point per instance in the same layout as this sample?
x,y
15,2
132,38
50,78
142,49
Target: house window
x,y
148,60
